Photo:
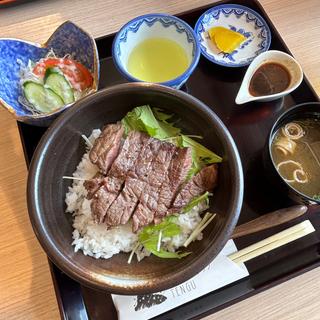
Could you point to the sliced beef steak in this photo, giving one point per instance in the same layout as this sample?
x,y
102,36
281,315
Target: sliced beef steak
x,y
93,185
128,155
122,208
112,184
106,147
103,198
203,181
179,167
146,180
144,213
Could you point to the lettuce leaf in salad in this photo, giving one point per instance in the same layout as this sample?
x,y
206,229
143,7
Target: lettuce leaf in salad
x,y
160,115
197,200
143,119
201,155
168,227
149,237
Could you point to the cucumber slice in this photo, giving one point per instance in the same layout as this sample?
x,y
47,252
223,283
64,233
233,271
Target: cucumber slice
x,y
43,99
53,70
55,81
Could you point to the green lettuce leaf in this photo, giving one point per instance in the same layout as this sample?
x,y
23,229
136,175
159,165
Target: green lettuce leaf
x,y
150,233
143,119
200,152
149,237
195,167
196,200
151,245
160,115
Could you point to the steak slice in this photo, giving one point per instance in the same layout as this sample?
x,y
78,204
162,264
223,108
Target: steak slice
x,y
203,181
144,213
179,167
104,197
128,155
122,208
106,147
94,184
111,185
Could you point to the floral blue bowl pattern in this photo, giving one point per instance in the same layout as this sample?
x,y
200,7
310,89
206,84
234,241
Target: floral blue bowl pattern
x,y
68,39
155,25
236,18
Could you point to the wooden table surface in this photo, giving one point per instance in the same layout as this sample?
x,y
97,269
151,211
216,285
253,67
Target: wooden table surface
x,y
26,290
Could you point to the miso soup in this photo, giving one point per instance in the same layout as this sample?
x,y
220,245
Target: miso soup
x,y
296,154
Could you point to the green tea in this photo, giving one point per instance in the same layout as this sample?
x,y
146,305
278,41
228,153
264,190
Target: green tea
x,y
157,60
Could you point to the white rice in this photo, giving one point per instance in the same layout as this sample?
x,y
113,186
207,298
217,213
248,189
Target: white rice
x,y
94,239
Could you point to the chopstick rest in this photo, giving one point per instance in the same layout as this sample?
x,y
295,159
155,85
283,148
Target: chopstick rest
x,y
277,240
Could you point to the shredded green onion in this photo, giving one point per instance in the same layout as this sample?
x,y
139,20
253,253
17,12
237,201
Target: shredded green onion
x,y
201,226
133,252
88,142
74,178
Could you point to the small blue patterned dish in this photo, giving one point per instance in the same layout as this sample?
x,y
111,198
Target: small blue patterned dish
x,y
68,39
236,18
155,26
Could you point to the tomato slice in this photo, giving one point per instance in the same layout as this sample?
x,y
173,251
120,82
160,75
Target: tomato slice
x,y
76,73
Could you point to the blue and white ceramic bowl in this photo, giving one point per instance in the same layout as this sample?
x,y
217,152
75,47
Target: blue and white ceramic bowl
x,y
68,39
159,26
237,18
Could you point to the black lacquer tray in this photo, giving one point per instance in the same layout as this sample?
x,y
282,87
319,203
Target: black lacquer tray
x,y
249,125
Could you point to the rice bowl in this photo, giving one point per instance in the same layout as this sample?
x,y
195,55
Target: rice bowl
x,y
59,154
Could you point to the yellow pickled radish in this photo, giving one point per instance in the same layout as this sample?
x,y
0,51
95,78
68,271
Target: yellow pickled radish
x,y
226,40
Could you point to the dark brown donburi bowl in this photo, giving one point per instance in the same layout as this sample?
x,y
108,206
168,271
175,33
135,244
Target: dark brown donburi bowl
x,y
61,149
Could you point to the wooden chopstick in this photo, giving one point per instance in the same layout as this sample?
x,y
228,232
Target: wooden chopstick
x,y
298,231
275,237
269,220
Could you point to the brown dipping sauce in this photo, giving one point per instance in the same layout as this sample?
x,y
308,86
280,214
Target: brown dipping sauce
x,y
270,78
